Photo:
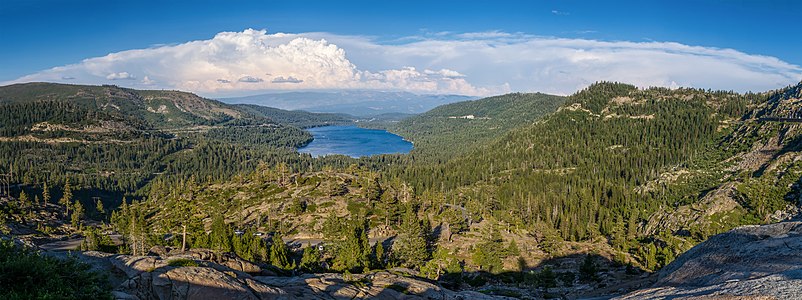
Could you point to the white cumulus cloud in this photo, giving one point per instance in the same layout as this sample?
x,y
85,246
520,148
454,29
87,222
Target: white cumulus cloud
x,y
289,79
478,63
250,79
119,76
147,81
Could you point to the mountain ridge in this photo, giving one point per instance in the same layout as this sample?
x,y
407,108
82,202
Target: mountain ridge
x,y
575,196
362,103
473,122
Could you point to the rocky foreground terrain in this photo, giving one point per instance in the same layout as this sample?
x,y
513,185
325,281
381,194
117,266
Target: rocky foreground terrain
x,y
749,262
203,274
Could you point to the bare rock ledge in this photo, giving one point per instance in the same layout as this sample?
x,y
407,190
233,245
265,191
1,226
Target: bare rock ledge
x,y
749,262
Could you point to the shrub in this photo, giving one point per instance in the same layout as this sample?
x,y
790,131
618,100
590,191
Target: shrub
x,y
26,274
182,262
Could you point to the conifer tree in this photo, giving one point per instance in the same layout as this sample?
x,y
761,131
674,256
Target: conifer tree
x,y
410,245
279,253
220,237
45,194
66,198
512,249
588,269
310,260
353,253
379,256
23,200
99,207
77,214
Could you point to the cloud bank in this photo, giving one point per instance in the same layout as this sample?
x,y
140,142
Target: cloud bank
x,y
478,64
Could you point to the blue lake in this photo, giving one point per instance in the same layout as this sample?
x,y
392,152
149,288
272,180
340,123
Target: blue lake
x,y
354,141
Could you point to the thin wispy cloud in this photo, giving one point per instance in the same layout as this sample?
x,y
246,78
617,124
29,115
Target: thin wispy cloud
x,y
476,63
560,13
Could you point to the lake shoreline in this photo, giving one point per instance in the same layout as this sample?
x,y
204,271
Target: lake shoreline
x,y
354,141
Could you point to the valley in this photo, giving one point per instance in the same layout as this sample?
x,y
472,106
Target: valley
x,y
524,195
423,150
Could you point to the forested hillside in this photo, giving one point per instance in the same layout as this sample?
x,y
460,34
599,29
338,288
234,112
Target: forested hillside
x,y
90,105
612,161
297,118
605,167
457,127
111,141
531,189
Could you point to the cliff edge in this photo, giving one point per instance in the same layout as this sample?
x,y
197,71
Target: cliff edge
x,y
749,262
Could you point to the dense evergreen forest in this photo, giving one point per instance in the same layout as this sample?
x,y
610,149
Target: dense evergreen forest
x,y
453,128
298,118
110,139
494,185
588,170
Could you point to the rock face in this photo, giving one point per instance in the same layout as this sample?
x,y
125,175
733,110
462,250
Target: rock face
x,y
228,260
378,285
186,283
750,262
225,276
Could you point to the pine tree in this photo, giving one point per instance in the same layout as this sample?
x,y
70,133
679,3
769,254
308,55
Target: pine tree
x,y
220,237
588,270
512,249
374,190
139,230
353,253
379,256
442,262
410,245
489,254
77,214
310,261
130,222
124,204
547,278
66,198
120,219
99,208
23,200
279,253
45,194
184,210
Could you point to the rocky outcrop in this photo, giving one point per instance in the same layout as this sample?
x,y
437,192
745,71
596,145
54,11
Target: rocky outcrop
x,y
378,285
226,276
226,259
720,200
190,283
750,262
133,265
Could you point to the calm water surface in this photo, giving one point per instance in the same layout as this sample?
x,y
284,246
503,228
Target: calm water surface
x,y
354,141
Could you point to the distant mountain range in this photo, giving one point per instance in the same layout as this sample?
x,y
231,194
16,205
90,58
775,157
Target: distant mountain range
x,y
357,103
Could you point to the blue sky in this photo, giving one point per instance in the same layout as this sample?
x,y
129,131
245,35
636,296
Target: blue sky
x,y
39,35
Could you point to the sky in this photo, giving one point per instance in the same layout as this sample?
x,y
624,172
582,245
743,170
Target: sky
x,y
477,48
